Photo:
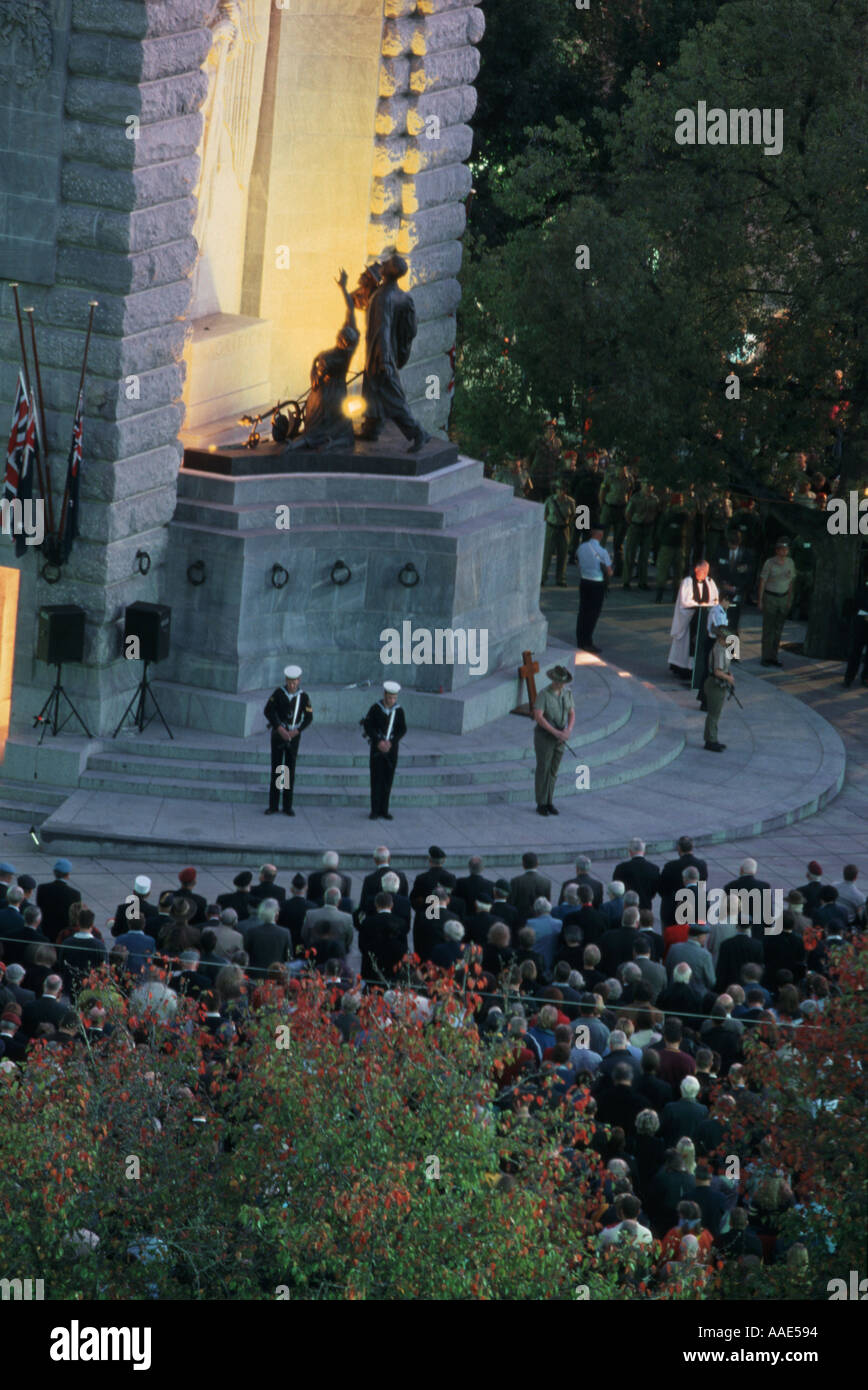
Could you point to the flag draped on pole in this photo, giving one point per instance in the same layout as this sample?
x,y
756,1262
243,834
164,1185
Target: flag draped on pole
x,y
20,458
69,516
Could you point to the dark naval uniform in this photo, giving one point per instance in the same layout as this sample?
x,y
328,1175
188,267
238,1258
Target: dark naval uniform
x,y
382,723
289,712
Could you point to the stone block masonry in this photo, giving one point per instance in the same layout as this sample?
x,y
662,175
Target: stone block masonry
x,y
122,234
421,178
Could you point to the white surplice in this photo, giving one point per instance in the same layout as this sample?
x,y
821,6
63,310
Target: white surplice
x,y
685,606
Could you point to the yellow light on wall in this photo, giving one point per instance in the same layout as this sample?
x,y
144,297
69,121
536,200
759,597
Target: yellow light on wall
x,y
9,582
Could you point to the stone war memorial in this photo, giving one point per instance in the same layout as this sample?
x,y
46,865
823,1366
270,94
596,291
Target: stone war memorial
x,y
204,170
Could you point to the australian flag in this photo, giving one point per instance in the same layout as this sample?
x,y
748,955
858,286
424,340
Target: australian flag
x,y
20,458
69,523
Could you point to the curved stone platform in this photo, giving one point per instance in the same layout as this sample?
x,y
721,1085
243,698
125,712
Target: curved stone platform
x,y
201,797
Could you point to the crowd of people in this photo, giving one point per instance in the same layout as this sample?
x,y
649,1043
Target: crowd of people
x,y
616,997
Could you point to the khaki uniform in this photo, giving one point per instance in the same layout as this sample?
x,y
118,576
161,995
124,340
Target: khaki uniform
x,y
560,516
672,547
615,493
549,751
777,581
641,517
715,690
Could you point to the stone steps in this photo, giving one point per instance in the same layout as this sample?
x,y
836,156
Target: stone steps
x,y
638,747
316,514
28,802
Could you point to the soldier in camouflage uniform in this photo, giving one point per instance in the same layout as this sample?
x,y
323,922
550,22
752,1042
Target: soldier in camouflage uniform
x,y
643,509
672,545
616,490
560,515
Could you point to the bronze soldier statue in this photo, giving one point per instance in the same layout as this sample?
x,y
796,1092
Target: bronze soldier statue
x,y
390,333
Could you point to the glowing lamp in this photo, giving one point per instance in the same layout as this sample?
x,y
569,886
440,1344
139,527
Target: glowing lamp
x,y
354,406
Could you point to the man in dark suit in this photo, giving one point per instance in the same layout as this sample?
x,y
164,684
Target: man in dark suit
x,y
639,874
590,921
722,1038
653,973
733,570
267,942
785,951
424,890
136,910
198,905
12,980
18,943
46,1009
372,884
811,890
584,878
211,961
618,943
295,908
478,921
54,900
240,899
474,885
680,999
266,887
382,940
11,915
81,953
429,923
316,884
747,881
501,907
681,1118
526,887
735,953
618,1103
672,878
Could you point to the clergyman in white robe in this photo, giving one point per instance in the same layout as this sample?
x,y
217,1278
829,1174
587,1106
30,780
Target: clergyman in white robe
x,y
686,605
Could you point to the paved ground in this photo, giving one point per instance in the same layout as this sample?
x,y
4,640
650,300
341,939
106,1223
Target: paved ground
x,y
632,634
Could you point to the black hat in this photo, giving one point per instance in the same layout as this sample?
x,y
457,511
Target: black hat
x,y
435,852
299,881
502,885
244,879
26,882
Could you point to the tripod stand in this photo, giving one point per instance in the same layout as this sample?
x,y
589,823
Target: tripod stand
x,y
49,715
141,693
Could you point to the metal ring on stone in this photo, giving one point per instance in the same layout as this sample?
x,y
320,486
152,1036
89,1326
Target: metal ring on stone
x,y
54,576
279,577
409,576
143,561
341,573
196,573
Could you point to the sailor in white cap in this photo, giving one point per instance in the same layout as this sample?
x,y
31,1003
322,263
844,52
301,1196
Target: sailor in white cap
x,y
384,726
288,713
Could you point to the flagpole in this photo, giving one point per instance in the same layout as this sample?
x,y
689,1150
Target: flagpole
x,y
46,488
93,305
14,288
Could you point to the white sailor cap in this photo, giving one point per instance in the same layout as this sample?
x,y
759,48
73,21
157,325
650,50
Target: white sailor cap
x,y
292,672
391,687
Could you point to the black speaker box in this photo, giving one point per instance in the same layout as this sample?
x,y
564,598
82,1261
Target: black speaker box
x,y
60,635
151,623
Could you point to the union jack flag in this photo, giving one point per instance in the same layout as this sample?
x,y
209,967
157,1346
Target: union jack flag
x,y
16,462
69,522
21,457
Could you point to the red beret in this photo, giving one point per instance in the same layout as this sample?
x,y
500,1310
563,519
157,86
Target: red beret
x,y
187,875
